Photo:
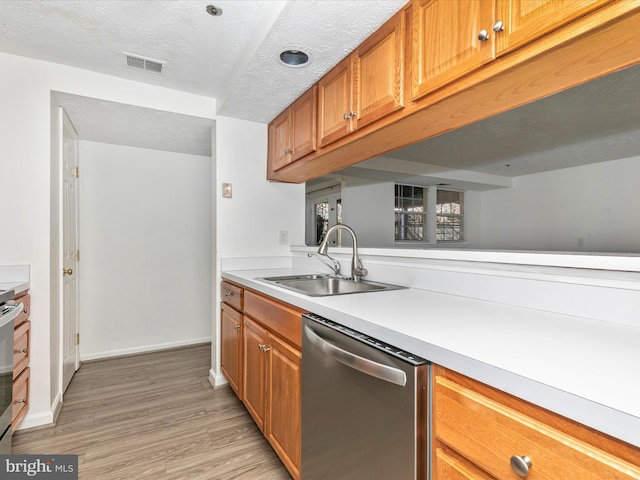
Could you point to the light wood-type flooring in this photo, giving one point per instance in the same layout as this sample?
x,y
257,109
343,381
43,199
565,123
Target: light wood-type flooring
x,y
155,416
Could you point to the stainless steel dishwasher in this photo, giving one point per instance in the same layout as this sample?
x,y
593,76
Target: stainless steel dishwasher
x,y
364,406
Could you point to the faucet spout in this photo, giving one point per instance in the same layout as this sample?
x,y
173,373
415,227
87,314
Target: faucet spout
x,y
357,270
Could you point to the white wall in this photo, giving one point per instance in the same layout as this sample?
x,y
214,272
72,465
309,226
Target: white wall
x,y
248,224
597,203
145,238
368,208
29,195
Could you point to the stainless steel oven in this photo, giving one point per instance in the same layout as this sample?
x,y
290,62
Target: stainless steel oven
x,y
9,310
364,406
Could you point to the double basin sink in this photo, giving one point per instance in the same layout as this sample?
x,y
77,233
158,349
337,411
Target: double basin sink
x,y
318,285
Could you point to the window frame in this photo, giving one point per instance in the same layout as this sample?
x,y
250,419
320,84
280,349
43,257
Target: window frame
x,y
430,220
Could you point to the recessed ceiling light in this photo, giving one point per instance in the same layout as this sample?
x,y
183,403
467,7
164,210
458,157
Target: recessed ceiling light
x,y
213,10
294,58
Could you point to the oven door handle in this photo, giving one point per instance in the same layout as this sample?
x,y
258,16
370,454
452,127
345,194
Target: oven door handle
x,y
10,317
364,365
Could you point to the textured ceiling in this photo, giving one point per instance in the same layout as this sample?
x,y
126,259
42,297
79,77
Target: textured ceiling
x,y
109,122
232,58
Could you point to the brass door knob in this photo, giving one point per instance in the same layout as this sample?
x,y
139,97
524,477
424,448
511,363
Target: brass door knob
x,y
67,271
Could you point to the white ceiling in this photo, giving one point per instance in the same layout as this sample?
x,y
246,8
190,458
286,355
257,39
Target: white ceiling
x,y
233,58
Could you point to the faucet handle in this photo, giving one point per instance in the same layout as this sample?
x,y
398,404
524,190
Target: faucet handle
x,y
360,271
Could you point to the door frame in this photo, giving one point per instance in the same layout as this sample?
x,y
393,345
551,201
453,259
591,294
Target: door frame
x,y
63,120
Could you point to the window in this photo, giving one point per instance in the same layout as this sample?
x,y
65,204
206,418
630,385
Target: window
x,y
323,209
410,213
428,214
449,216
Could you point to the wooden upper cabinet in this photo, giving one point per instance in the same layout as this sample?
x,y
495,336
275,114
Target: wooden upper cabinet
x,y
303,125
292,134
336,109
379,72
445,41
526,20
279,141
365,86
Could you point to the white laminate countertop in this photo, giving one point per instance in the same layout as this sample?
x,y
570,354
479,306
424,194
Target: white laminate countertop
x,y
583,369
17,287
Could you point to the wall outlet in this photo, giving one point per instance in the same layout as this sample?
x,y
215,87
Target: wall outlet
x,y
283,237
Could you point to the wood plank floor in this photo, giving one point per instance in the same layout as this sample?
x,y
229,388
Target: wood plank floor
x,y
155,416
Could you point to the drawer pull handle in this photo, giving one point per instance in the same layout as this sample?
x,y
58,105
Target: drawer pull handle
x,y
227,293
521,465
25,350
24,310
24,400
236,326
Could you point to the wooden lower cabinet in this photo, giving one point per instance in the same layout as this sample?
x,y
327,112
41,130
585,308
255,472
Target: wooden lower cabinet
x,y
478,430
447,464
261,358
21,358
283,409
272,391
231,347
254,363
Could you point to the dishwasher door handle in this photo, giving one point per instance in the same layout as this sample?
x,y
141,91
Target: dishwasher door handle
x,y
364,365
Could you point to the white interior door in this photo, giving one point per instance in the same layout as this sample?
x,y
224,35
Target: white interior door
x,y
70,253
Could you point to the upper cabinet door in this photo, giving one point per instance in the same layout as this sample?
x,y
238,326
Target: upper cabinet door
x,y
336,111
379,72
446,43
280,143
526,20
303,125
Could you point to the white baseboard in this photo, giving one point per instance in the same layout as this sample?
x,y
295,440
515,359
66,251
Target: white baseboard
x,y
36,419
142,349
216,380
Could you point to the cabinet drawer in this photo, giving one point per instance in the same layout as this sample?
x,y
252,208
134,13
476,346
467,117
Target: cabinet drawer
x,y
20,397
21,345
489,433
26,309
232,295
280,318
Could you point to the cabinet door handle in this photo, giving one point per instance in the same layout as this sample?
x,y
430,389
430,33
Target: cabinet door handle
x,y
24,400
349,115
67,271
266,348
236,326
483,35
521,465
498,26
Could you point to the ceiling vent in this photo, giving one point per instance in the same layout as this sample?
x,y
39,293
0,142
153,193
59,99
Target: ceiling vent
x,y
143,63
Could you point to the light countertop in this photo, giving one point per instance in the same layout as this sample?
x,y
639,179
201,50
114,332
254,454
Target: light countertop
x,y
584,369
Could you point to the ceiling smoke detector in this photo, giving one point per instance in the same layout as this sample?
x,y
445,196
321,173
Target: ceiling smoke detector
x,y
144,63
294,58
213,10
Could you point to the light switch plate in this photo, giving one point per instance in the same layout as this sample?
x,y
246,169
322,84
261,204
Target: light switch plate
x,y
226,190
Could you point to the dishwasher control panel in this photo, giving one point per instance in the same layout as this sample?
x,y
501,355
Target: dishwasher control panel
x,y
380,345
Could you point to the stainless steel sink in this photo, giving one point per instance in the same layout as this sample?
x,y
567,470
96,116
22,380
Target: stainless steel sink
x,y
325,285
